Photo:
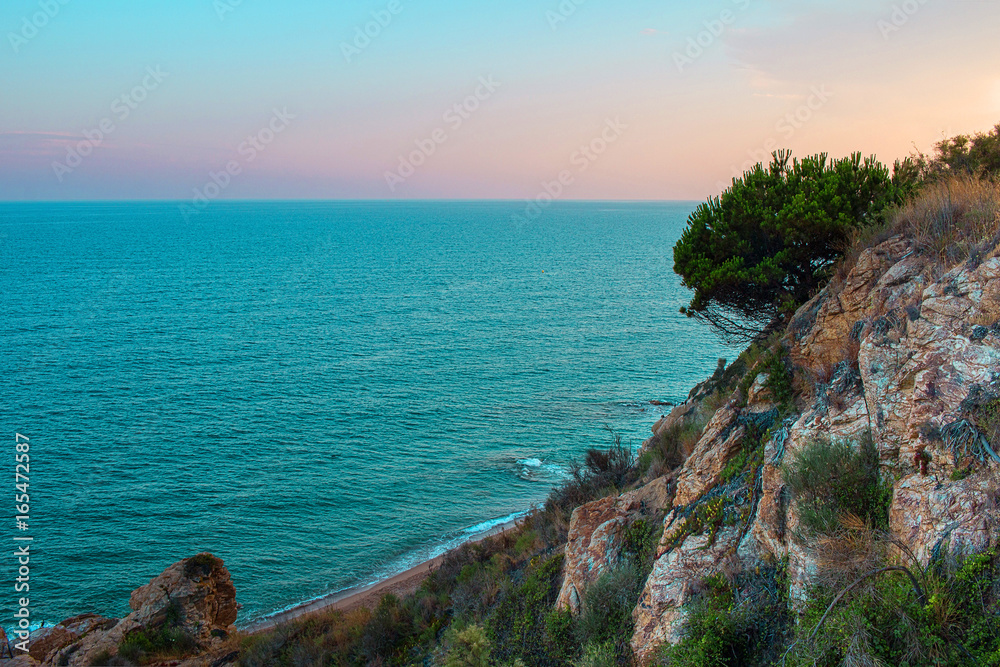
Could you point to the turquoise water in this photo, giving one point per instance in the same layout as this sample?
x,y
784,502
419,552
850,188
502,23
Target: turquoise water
x,y
318,393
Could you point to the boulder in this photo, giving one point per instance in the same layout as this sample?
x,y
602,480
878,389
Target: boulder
x,y
195,596
47,640
719,441
676,576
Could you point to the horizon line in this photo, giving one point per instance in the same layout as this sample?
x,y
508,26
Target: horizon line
x,y
348,200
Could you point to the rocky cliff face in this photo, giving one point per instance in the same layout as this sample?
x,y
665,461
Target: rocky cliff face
x,y
898,348
194,599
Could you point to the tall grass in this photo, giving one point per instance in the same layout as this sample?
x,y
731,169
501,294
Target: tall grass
x,y
950,221
953,220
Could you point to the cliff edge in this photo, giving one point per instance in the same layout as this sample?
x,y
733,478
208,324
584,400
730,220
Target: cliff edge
x,y
896,349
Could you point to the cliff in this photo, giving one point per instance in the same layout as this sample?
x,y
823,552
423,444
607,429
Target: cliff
x,y
898,348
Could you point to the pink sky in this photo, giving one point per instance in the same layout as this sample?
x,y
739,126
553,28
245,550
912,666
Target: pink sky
x,y
535,97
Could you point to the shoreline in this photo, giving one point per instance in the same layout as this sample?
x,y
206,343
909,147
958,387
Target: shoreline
x,y
368,595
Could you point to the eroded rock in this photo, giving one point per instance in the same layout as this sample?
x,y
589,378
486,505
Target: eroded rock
x,y
596,535
894,348
194,596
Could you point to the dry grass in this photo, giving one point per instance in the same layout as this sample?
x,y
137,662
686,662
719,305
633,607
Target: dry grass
x,y
950,221
848,553
953,220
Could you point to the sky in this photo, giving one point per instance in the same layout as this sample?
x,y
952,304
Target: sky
x,y
440,99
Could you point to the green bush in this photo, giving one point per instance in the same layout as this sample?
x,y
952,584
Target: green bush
x,y
831,480
743,623
886,623
639,543
598,655
469,647
772,237
779,381
963,155
169,639
400,631
517,627
100,660
560,634
606,610
603,473
141,646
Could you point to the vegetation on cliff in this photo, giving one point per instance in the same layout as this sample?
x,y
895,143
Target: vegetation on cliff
x,y
770,239
646,559
764,246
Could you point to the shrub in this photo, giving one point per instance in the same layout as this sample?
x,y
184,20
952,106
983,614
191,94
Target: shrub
x,y
400,631
603,473
952,220
956,623
468,647
640,542
606,612
100,660
743,623
779,381
672,447
598,655
559,631
772,236
833,480
517,626
144,645
987,418
168,639
964,155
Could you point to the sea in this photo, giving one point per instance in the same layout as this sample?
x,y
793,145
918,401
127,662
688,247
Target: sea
x,y
322,394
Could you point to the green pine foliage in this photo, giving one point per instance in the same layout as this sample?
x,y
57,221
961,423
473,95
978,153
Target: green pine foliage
x,y
772,237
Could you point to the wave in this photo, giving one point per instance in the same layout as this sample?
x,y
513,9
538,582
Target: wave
x,y
537,470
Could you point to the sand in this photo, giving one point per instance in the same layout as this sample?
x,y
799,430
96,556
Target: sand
x,y
399,585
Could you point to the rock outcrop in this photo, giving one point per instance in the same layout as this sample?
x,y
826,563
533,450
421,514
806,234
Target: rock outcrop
x,y
899,348
596,533
193,598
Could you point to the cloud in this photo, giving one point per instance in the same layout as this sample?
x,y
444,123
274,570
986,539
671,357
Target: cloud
x,y
35,144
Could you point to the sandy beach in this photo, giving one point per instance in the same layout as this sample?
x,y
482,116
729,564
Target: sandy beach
x,y
401,584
